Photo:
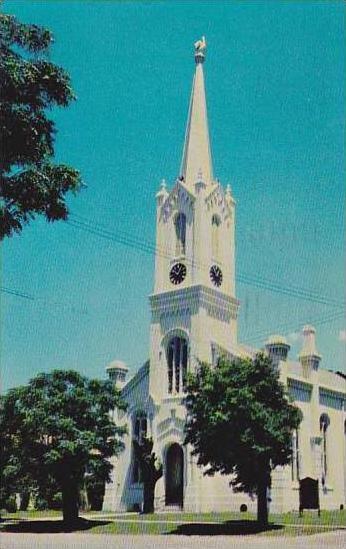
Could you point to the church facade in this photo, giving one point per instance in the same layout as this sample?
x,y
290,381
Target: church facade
x,y
194,314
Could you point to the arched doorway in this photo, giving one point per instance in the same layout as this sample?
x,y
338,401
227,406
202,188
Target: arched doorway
x,y
174,475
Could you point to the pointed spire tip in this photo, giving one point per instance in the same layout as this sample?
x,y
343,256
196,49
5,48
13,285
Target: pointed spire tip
x,y
196,153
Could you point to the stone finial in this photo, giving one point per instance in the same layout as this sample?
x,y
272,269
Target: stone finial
x,y
309,356
228,195
117,371
309,341
277,348
162,193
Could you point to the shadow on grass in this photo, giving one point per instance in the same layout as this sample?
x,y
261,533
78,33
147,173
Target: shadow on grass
x,y
230,527
50,526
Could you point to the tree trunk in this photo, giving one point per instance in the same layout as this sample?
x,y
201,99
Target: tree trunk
x,y
24,501
70,502
148,497
262,503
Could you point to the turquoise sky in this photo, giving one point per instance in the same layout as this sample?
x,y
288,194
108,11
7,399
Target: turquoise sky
x,y
275,85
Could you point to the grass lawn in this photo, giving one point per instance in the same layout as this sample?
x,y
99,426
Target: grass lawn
x,y
223,524
327,518
209,524
30,514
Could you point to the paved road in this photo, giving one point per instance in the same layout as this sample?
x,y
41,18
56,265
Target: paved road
x,y
332,540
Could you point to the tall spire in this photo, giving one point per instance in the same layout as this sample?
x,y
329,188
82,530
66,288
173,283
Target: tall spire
x,y
196,154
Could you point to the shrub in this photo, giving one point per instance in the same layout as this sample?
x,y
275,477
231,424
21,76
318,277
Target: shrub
x,y
41,504
11,504
56,502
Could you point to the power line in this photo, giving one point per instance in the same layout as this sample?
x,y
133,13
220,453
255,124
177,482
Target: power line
x,y
43,301
121,237
288,327
289,290
132,241
16,293
140,244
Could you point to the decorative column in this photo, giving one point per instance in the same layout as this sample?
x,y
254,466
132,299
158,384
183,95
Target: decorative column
x,y
310,360
230,240
201,233
160,241
181,367
316,450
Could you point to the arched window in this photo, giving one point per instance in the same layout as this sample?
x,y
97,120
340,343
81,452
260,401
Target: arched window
x,y
295,456
180,233
324,425
215,237
177,364
139,432
140,426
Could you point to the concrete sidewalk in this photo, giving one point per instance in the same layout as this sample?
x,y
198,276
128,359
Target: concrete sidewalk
x,y
332,540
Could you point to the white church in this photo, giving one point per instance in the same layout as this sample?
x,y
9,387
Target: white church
x,y
194,313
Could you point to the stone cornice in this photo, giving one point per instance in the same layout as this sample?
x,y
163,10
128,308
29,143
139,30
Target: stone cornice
x,y
299,384
216,303
136,379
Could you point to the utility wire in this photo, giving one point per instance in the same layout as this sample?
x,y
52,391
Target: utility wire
x,y
129,240
288,327
16,293
41,300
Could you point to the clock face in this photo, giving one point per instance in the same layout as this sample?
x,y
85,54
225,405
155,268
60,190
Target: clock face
x,y
177,273
215,275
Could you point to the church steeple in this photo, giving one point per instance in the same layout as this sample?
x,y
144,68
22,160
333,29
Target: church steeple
x,y
193,306
196,155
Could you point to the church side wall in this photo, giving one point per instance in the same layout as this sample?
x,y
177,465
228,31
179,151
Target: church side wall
x,y
332,494
121,493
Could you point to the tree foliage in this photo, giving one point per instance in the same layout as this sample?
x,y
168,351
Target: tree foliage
x,y
55,428
151,471
30,183
240,423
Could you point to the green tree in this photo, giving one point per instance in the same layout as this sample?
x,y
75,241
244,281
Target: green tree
x,y
54,426
30,183
151,471
240,423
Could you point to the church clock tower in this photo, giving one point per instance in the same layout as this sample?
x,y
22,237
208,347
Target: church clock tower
x,y
193,307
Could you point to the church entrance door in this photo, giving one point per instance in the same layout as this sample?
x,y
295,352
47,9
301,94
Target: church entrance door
x,y
174,475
